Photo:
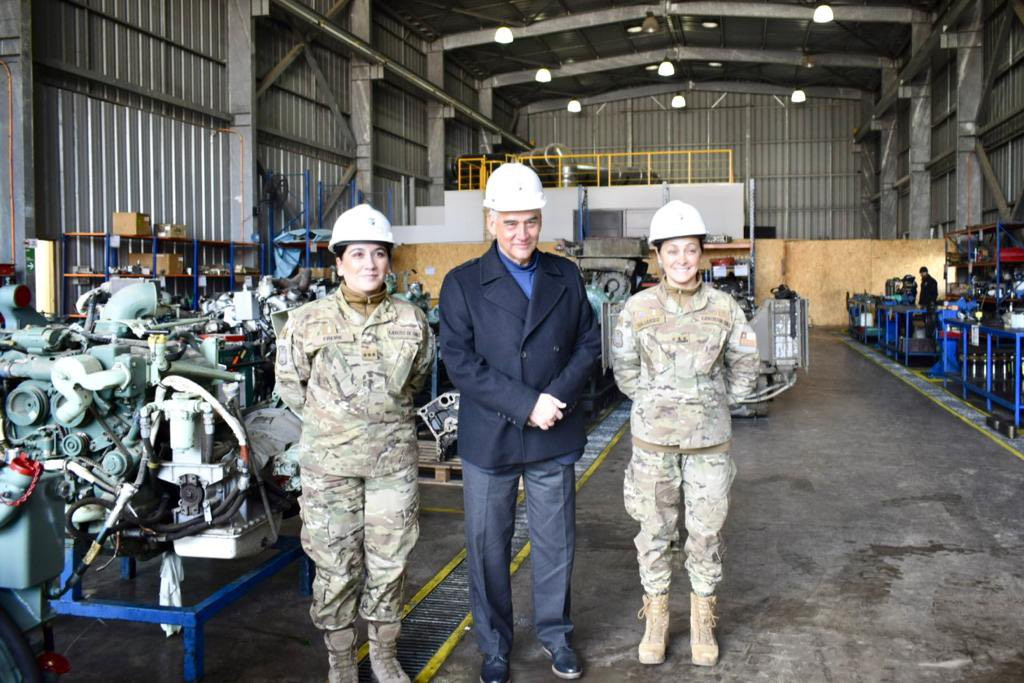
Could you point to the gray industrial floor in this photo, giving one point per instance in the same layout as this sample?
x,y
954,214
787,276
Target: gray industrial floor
x,y
872,536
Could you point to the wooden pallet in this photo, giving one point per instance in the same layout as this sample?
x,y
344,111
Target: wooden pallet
x,y
447,472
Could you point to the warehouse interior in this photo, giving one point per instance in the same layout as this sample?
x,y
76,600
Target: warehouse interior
x,y
174,170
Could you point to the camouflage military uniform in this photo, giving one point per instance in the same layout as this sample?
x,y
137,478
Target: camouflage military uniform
x,y
352,380
681,358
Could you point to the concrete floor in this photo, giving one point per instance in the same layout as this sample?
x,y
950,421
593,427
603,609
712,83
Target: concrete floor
x,y
872,536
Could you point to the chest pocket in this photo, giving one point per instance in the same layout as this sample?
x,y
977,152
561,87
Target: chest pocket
x,y
335,365
403,342
681,351
711,341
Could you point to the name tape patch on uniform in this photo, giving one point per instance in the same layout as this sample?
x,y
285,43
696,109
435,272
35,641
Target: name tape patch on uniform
x,y
647,320
409,333
337,338
748,340
712,318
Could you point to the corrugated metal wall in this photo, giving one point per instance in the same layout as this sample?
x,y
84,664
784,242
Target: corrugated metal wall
x,y
114,48
801,156
1003,124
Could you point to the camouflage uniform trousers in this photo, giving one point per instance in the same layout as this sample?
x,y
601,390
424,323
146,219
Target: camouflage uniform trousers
x,y
651,490
354,527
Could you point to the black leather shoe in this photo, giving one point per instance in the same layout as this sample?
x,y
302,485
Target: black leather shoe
x,y
565,663
494,669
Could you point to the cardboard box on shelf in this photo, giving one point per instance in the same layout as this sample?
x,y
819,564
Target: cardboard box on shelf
x,y
166,264
328,273
175,230
132,224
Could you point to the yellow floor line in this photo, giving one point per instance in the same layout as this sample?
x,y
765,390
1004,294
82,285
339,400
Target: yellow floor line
x,y
442,654
445,511
982,430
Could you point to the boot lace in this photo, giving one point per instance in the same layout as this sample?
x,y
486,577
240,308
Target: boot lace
x,y
706,619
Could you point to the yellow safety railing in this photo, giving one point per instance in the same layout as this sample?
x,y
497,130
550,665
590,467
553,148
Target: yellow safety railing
x,y
474,171
609,169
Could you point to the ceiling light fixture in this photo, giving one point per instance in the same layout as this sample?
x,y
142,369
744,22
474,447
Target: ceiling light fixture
x,y
666,69
635,29
798,96
543,75
574,107
650,24
678,102
715,65
651,67
503,35
823,14
709,24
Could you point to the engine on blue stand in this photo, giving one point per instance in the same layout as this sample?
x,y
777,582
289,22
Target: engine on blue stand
x,y
129,421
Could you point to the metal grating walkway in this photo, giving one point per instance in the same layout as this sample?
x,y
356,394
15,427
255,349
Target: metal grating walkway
x,y
436,621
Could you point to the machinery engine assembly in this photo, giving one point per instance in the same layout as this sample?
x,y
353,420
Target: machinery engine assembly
x,y
141,430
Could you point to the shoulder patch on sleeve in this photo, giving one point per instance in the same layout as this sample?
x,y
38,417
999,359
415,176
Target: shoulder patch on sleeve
x,y
748,340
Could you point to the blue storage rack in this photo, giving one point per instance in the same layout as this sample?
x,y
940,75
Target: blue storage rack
x,y
1003,339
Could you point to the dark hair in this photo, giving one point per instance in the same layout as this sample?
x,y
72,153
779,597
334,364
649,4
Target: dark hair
x,y
923,270
339,249
657,243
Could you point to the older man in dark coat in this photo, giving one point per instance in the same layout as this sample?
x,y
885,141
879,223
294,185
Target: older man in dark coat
x,y
519,341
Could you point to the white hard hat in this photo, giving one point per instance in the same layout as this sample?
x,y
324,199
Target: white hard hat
x,y
676,219
514,187
361,223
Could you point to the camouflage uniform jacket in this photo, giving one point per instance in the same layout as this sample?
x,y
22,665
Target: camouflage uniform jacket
x,y
682,364
352,382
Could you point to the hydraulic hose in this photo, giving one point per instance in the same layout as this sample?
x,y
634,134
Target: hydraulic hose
x,y
186,385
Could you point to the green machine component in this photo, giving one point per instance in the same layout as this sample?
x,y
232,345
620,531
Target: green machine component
x,y
16,307
31,558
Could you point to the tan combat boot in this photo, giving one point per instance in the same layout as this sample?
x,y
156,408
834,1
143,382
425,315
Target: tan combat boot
x,y
384,652
703,646
652,647
341,655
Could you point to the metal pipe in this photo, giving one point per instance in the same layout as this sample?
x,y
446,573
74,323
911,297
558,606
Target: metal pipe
x,y
366,52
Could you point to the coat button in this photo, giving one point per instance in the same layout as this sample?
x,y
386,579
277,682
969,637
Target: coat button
x,y
556,348
523,354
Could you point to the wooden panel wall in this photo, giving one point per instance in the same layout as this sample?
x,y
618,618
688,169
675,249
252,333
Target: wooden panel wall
x,y
823,271
433,261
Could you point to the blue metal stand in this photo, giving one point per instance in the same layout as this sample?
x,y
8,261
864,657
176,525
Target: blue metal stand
x,y
895,323
990,334
193,618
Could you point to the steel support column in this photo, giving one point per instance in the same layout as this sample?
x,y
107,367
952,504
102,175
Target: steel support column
x,y
970,76
919,221
436,115
17,174
888,202
242,107
363,74
486,105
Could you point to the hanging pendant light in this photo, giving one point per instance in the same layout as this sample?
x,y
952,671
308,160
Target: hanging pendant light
x,y
503,35
678,102
798,96
823,14
650,24
666,68
543,75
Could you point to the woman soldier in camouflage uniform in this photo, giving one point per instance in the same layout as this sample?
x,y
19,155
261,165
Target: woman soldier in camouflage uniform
x,y
349,366
682,351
